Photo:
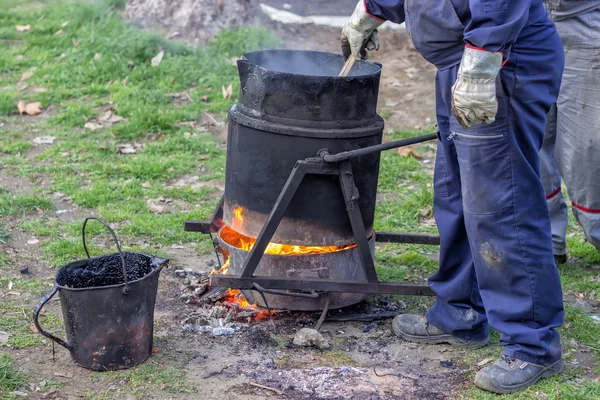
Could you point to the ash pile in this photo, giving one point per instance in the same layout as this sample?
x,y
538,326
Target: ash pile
x,y
214,311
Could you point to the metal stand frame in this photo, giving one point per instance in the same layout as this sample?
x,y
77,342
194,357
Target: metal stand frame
x,y
324,164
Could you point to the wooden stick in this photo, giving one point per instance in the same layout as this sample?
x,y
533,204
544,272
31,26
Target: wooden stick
x,y
348,66
279,392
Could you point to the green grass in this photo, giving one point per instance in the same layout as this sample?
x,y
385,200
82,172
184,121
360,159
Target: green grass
x,y
22,204
10,377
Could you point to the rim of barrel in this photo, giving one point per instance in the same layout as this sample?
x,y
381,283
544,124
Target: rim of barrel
x,y
148,275
377,67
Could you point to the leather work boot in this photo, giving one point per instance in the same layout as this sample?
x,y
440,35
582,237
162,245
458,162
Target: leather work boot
x,y
416,328
509,375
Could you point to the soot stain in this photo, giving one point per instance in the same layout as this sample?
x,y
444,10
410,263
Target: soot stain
x,y
105,271
491,256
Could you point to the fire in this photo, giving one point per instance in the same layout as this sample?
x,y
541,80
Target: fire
x,y
247,243
238,213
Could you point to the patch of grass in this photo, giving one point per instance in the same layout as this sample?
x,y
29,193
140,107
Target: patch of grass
x,y
61,251
14,147
36,287
22,204
15,321
40,226
338,359
10,377
152,378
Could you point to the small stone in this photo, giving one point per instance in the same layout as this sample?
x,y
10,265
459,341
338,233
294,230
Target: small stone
x,y
180,273
447,364
307,337
220,331
24,270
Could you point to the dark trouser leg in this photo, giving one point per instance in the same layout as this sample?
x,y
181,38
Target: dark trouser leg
x,y
458,309
505,214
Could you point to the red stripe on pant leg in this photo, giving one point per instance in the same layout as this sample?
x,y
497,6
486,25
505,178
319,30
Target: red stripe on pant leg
x,y
551,195
585,209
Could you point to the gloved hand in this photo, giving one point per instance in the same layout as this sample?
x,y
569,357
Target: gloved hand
x,y
474,92
360,33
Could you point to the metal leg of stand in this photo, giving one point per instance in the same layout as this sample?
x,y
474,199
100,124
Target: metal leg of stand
x,y
269,228
351,196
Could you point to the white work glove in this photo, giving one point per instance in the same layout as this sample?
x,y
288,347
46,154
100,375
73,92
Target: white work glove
x,y
360,33
474,92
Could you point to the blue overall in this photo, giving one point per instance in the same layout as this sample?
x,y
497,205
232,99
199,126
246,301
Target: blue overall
x,y
496,258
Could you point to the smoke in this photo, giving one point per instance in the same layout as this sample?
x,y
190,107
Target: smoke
x,y
307,63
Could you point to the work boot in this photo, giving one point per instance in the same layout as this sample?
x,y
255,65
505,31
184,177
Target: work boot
x,y
509,375
416,328
560,259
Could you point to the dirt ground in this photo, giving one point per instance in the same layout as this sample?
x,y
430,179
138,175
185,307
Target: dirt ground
x,y
366,361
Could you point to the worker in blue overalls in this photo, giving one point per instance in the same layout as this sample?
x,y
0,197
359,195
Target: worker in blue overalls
x,y
499,66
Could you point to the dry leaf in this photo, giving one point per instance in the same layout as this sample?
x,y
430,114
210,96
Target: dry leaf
x,y
29,108
191,124
92,125
567,325
187,135
126,148
58,32
4,337
154,208
203,157
39,210
44,140
10,285
106,116
39,90
75,43
26,75
406,151
14,293
22,86
483,362
204,99
157,59
23,28
32,241
227,93
98,56
33,329
63,375
124,82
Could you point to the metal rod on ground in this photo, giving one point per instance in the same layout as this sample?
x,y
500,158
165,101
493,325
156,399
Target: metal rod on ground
x,y
348,66
323,314
258,289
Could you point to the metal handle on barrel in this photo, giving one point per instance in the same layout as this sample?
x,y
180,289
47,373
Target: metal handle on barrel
x,y
126,288
36,316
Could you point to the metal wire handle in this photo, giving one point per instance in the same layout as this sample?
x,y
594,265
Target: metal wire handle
x,y
126,288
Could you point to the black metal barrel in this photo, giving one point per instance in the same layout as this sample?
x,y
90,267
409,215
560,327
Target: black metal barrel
x,y
292,105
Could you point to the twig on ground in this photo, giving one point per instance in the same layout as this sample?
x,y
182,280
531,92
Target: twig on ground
x,y
279,392
400,374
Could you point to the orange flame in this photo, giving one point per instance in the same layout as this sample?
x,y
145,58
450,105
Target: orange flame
x,y
246,243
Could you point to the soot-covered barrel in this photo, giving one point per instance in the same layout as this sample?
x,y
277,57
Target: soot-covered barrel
x,y
292,105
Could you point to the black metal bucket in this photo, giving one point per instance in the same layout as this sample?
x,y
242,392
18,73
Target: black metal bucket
x,y
108,311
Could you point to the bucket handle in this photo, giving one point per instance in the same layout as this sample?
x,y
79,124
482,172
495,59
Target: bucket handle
x,y
126,288
36,316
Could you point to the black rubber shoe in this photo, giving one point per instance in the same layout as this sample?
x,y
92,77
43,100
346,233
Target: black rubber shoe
x,y
560,259
415,328
509,375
